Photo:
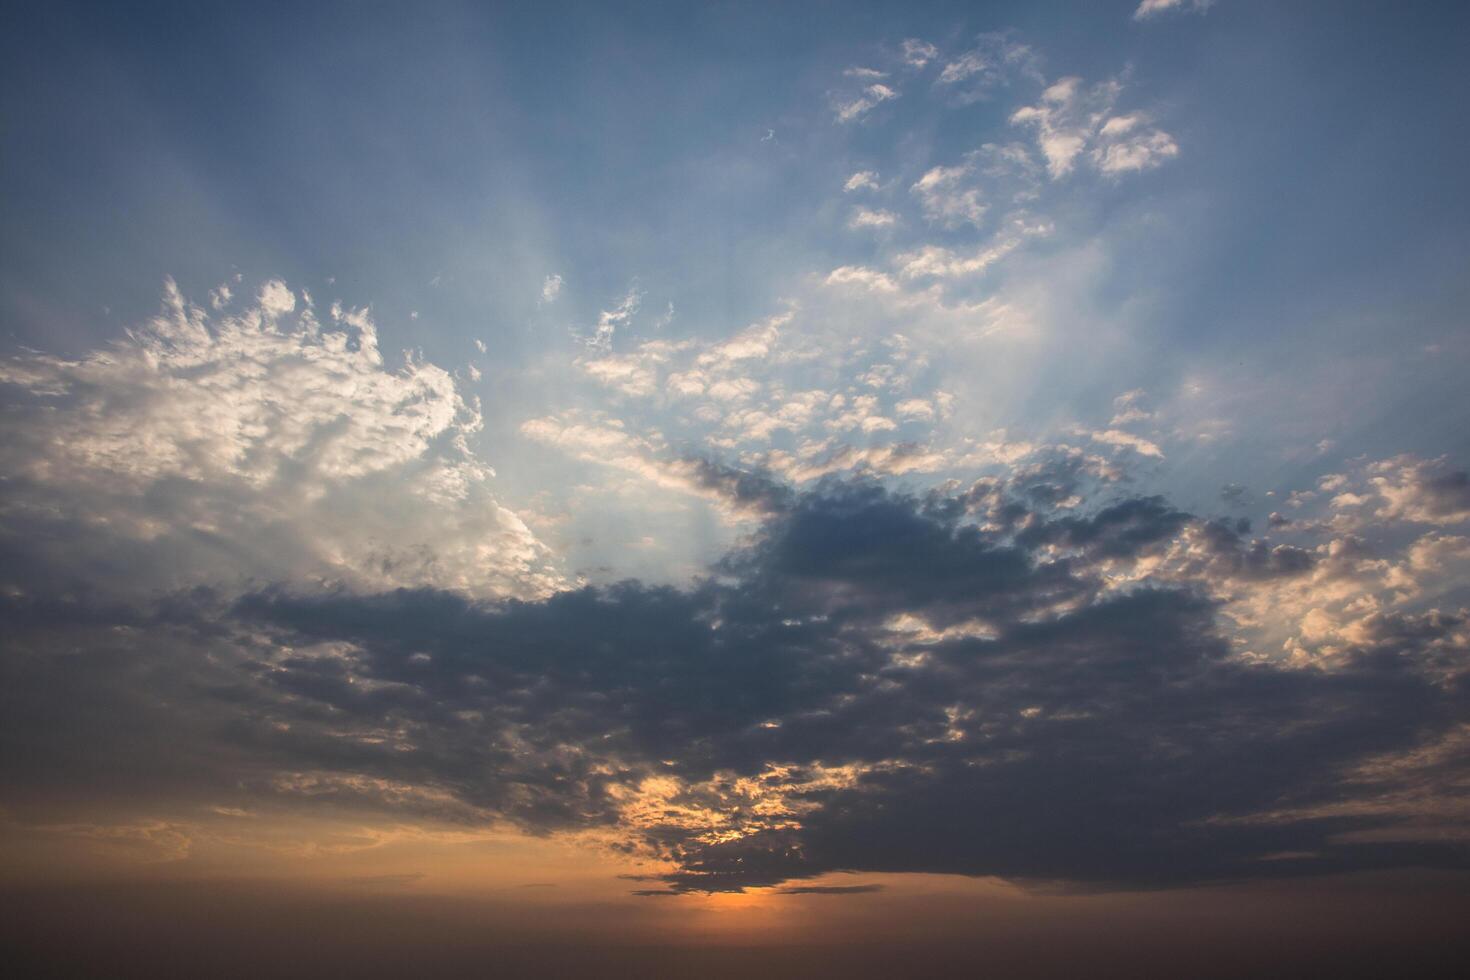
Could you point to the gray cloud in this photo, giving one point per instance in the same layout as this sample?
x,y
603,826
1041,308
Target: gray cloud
x,y
875,682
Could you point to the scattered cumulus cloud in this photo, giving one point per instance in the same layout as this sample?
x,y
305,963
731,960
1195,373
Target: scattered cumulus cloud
x,y
945,198
217,448
872,218
954,195
1075,121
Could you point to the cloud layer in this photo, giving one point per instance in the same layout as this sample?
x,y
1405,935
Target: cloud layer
x,y
996,679
908,599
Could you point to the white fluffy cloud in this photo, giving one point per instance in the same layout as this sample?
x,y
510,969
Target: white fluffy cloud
x,y
1073,121
1424,491
946,197
263,446
951,196
870,218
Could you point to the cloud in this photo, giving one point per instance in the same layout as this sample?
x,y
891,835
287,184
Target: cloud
x,y
1127,440
943,263
825,458
1032,676
746,393
1152,8
252,566
867,218
1125,144
635,373
216,449
853,108
917,53
753,343
915,408
1128,408
1424,491
610,321
831,890
1026,721
943,199
551,288
1072,120
857,275
951,196
995,62
738,495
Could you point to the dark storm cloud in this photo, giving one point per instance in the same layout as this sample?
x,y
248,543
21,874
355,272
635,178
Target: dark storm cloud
x,y
1046,727
1442,491
1231,554
742,489
1142,736
1121,530
1448,492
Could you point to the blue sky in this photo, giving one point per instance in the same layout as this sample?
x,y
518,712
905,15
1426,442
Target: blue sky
x,y
1301,249
737,385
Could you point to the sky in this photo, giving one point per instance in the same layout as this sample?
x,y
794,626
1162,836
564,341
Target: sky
x,y
670,488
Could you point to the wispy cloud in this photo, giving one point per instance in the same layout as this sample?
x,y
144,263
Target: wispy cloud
x,y
610,321
852,108
1153,8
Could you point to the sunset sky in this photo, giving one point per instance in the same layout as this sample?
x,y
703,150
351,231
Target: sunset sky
x,y
727,488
